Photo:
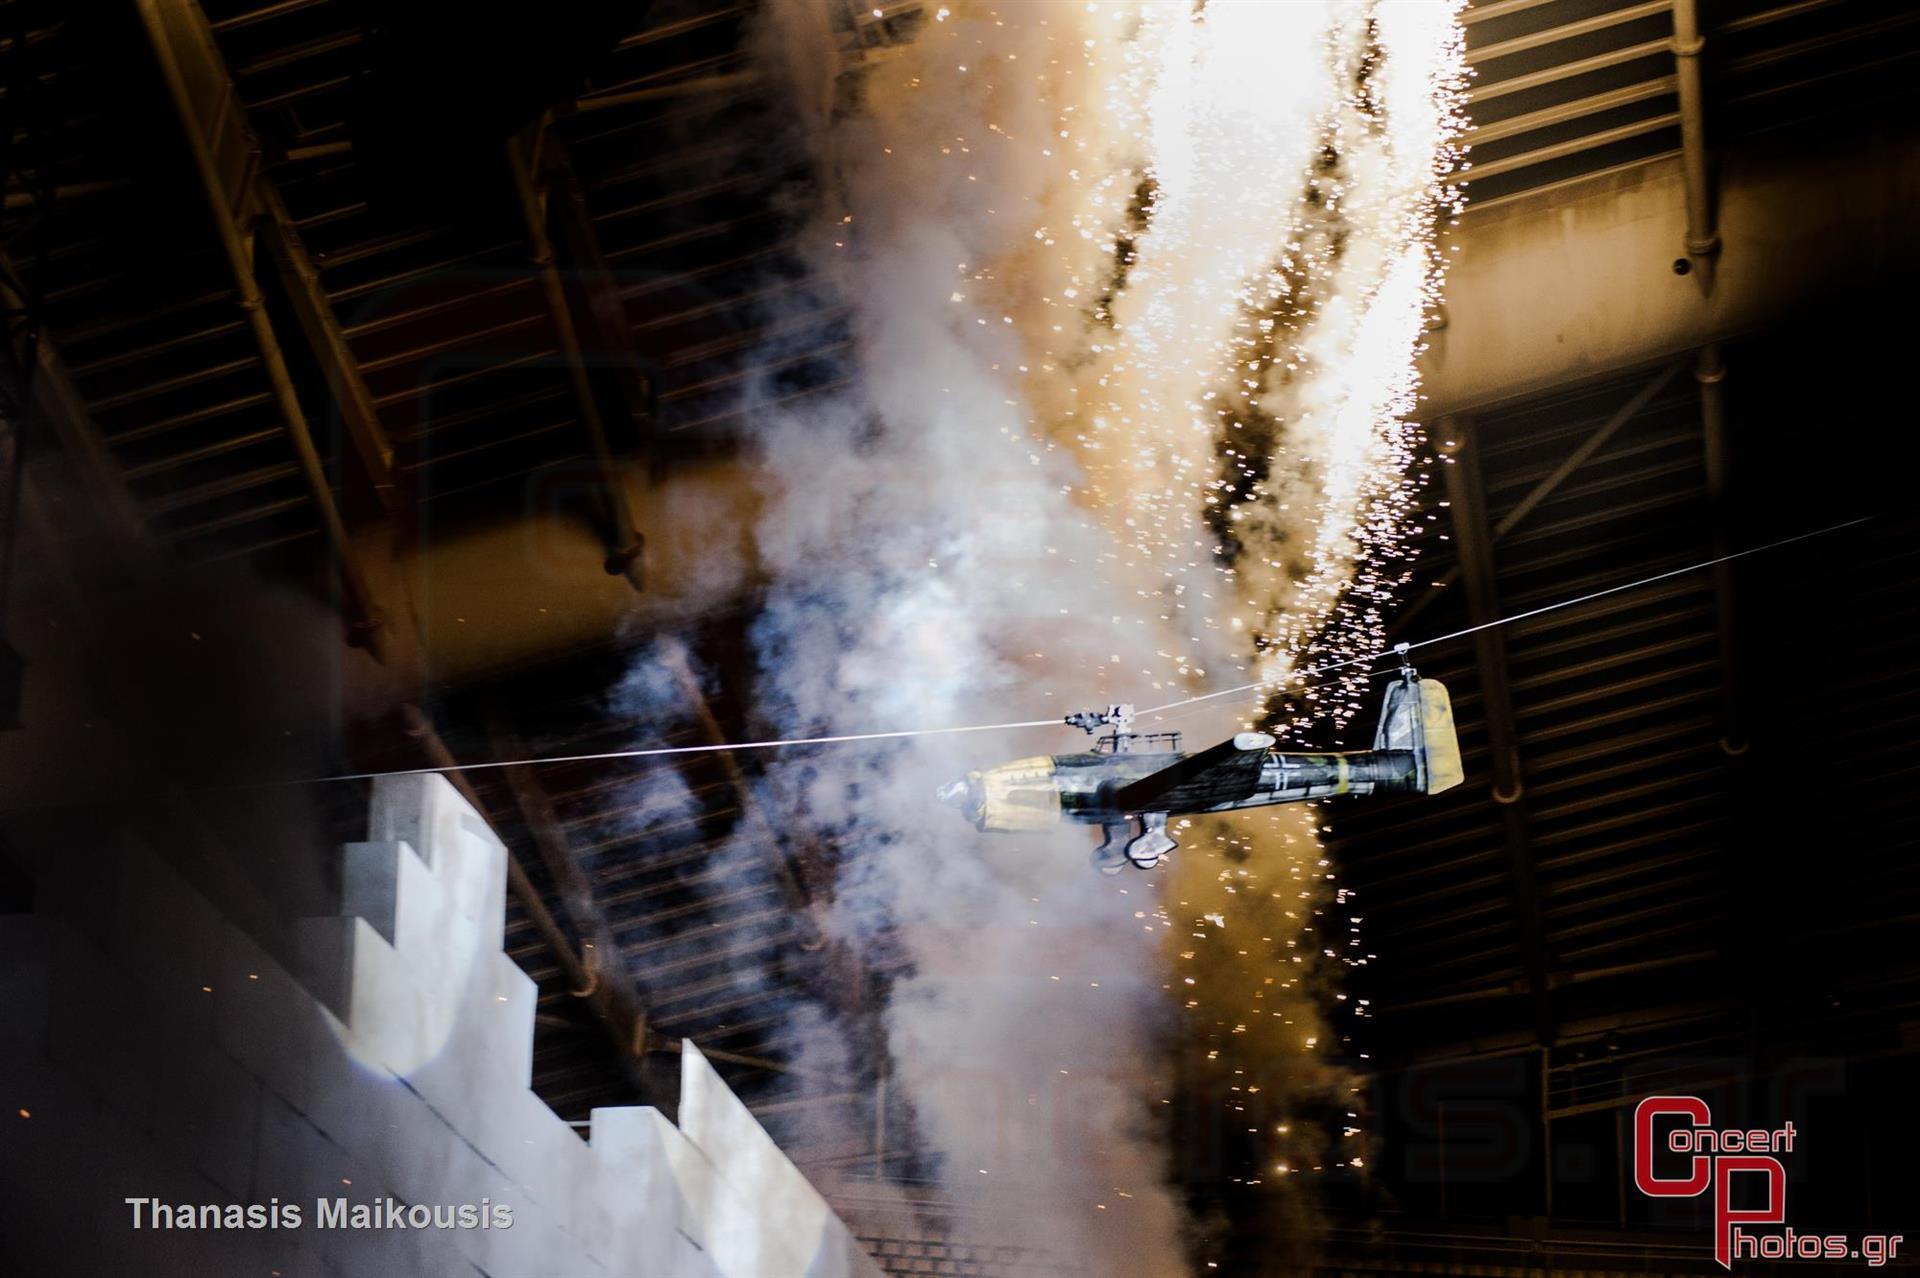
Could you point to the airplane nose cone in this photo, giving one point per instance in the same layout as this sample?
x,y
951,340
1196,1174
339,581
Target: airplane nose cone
x,y
963,796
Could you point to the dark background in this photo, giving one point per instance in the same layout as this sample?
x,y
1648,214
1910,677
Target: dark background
x,y
1707,880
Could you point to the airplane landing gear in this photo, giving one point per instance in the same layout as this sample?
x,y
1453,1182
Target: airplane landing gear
x,y
1123,847
1153,842
1111,857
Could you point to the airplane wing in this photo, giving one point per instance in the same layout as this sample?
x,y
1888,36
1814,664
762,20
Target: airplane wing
x,y
1226,773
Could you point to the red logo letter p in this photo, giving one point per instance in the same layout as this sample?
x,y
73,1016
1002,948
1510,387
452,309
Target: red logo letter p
x,y
1724,1215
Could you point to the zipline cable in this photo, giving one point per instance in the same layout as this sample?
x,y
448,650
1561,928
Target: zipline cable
x,y
1310,672
1314,671
656,751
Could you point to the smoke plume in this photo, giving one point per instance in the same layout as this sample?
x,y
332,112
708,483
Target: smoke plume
x,y
1136,290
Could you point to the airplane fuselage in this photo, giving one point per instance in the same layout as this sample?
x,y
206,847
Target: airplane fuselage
x,y
1090,788
1091,784
1131,788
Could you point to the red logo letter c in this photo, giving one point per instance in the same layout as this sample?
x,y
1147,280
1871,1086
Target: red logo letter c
x,y
1663,1187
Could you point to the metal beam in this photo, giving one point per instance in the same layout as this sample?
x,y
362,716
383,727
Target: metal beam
x,y
612,983
226,157
734,83
1562,71
1472,535
1570,30
624,543
1702,241
786,872
1566,113
312,310
1491,9
1547,486
1711,373
628,1035
1572,146
656,1043
608,993
600,310
108,501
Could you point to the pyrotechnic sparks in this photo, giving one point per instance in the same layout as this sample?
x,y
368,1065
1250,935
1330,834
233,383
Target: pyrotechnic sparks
x,y
1261,359
1219,261
1148,280
1222,261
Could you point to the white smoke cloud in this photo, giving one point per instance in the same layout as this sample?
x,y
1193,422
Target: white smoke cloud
x,y
1135,290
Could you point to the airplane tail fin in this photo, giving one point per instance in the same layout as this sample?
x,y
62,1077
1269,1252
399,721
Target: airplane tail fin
x,y
1418,716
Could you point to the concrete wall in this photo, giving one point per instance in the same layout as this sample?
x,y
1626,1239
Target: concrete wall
x,y
157,1051
1577,281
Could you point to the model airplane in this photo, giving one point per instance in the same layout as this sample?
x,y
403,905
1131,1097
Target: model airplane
x,y
1131,782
